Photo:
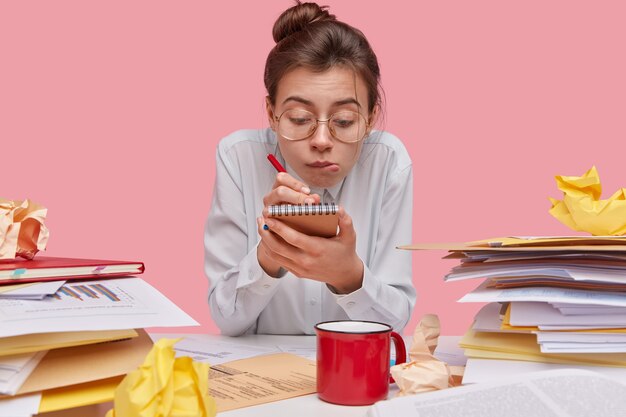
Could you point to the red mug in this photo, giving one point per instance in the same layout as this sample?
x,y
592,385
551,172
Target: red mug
x,y
353,361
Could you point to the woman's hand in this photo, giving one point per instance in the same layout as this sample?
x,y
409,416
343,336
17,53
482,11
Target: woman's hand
x,y
330,260
286,190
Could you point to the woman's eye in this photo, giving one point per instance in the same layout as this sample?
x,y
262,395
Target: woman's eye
x,y
342,123
299,120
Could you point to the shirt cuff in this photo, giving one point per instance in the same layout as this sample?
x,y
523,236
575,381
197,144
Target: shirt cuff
x,y
257,280
362,299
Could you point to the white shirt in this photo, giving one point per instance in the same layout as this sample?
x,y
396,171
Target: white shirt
x,y
377,194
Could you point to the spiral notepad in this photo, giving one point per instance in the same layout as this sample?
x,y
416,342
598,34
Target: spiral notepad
x,y
310,219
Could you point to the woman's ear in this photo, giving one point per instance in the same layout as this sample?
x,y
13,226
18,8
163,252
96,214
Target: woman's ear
x,y
373,118
270,113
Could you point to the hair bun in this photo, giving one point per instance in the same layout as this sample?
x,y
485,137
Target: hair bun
x,y
298,17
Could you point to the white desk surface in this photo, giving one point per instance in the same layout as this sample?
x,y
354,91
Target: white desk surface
x,y
304,406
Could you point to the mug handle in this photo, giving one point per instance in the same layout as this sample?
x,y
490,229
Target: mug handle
x,y
398,343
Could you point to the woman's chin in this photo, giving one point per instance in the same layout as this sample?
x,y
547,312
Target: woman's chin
x,y
323,181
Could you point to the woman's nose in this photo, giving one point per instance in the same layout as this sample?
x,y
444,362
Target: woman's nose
x,y
322,139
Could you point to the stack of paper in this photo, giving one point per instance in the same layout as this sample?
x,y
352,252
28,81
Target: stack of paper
x,y
71,342
555,300
30,291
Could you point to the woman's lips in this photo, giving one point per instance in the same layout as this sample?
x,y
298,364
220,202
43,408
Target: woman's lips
x,y
324,165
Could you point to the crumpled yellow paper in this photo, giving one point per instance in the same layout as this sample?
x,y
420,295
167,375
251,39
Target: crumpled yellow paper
x,y
425,372
581,208
165,386
22,229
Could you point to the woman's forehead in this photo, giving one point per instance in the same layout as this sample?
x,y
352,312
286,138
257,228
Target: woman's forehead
x,y
337,86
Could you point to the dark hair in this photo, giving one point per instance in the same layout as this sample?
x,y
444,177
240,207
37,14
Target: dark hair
x,y
306,35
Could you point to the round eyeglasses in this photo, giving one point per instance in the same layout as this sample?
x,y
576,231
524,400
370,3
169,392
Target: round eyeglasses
x,y
346,126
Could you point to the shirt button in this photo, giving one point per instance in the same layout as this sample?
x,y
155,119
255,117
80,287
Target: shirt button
x,y
266,286
350,304
313,301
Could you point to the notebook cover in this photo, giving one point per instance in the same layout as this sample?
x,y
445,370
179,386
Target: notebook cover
x,y
313,220
47,262
320,225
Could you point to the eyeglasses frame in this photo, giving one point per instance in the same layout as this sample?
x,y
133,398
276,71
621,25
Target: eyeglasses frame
x,y
330,129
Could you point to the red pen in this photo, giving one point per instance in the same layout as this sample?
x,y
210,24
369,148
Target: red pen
x,y
275,162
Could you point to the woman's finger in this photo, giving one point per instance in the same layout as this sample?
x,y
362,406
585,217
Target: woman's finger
x,y
285,195
274,242
283,178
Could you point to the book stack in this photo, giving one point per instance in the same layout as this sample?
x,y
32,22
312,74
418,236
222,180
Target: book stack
x,y
553,302
70,329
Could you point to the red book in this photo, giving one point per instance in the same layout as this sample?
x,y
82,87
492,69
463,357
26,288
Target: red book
x,y
46,268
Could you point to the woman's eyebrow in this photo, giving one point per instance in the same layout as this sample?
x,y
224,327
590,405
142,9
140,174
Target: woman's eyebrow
x,y
299,100
348,100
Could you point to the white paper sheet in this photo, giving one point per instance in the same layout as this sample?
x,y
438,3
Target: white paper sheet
x,y
24,406
448,350
305,352
488,318
617,276
560,393
113,304
15,369
208,350
585,306
582,328
487,370
543,314
34,292
543,337
582,348
577,311
570,309
482,294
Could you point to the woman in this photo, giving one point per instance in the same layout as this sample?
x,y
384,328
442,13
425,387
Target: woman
x,y
323,99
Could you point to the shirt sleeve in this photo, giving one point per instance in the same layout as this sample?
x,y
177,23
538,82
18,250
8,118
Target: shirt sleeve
x,y
387,294
240,288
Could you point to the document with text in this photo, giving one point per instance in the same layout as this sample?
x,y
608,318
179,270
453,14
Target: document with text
x,y
559,393
114,304
260,380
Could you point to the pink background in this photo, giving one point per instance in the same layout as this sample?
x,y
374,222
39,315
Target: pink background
x,y
110,113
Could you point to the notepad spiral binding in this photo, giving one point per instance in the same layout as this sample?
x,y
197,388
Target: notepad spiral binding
x,y
303,209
